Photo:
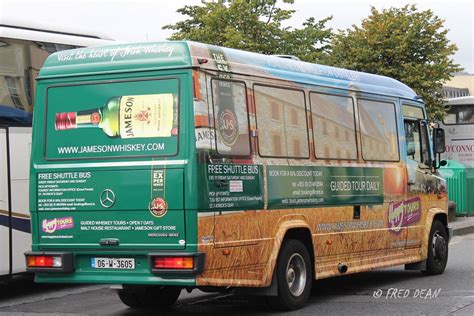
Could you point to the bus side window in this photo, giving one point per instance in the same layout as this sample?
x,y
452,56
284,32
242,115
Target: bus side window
x,y
412,139
231,118
425,147
281,122
334,129
416,138
379,130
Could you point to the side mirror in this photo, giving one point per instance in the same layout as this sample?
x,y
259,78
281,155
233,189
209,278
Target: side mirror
x,y
438,140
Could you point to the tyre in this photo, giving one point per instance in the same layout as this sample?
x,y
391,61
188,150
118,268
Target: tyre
x,y
437,249
294,276
149,296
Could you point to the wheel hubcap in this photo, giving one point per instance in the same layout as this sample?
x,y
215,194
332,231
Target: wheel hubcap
x,y
296,275
438,246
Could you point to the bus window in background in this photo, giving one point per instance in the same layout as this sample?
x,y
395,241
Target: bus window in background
x,y
19,66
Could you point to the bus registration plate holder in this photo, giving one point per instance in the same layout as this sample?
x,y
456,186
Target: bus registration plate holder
x,y
113,263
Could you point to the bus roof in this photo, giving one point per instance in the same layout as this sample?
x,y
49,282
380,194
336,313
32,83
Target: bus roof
x,y
44,35
461,101
8,113
175,54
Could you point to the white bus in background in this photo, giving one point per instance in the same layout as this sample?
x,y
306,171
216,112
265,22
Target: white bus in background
x,y
459,128
23,51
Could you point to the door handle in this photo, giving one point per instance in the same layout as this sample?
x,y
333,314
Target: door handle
x,y
109,242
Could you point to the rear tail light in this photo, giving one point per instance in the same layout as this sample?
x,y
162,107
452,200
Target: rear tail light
x,y
33,261
173,263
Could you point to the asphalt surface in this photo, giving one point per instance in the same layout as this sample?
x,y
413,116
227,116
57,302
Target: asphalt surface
x,y
385,292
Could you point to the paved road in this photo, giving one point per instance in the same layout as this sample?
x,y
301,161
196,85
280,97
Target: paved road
x,y
388,292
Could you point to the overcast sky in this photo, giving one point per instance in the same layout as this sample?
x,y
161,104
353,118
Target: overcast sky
x,y
142,20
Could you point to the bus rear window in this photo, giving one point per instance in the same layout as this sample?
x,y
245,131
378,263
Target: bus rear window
x,y
107,120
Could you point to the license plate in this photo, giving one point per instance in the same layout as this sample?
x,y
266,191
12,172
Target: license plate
x,y
113,263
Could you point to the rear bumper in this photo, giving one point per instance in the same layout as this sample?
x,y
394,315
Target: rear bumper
x,y
77,269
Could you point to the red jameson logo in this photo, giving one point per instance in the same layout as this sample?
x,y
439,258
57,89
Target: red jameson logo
x,y
228,127
143,116
158,207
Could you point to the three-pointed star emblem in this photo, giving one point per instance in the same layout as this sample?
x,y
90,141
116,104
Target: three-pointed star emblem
x,y
107,198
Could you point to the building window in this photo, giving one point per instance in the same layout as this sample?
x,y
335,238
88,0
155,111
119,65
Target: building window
x,y
275,111
277,145
294,117
296,148
324,127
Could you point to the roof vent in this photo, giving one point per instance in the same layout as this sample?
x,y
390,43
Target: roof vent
x,y
288,57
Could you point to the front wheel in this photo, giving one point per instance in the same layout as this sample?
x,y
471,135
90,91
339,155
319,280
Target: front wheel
x,y
437,249
149,296
294,276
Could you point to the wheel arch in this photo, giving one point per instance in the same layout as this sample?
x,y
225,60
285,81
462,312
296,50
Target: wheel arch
x,y
293,229
433,215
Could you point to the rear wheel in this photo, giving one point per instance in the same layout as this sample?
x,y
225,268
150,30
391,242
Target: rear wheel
x,y
437,249
294,276
149,296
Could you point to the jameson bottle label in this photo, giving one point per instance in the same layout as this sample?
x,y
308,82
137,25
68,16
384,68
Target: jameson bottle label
x,y
128,116
146,115
227,122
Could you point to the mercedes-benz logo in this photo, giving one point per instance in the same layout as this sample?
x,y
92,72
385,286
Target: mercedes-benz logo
x,y
107,198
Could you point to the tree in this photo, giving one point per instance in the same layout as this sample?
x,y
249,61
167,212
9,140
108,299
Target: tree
x,y
253,25
402,43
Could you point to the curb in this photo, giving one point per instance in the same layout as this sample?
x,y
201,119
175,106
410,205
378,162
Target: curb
x,y
463,231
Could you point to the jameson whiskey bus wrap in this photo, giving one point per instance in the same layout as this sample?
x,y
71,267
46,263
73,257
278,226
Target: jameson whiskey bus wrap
x,y
133,124
179,165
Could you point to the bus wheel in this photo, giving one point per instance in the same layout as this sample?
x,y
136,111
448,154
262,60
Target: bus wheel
x,y
437,249
149,296
294,276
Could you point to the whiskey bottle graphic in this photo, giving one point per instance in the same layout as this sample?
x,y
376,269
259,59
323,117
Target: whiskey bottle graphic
x,y
128,116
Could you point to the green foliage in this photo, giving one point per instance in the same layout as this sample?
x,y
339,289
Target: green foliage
x,y
253,25
402,43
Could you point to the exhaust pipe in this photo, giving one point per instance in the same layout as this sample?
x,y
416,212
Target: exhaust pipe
x,y
342,268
